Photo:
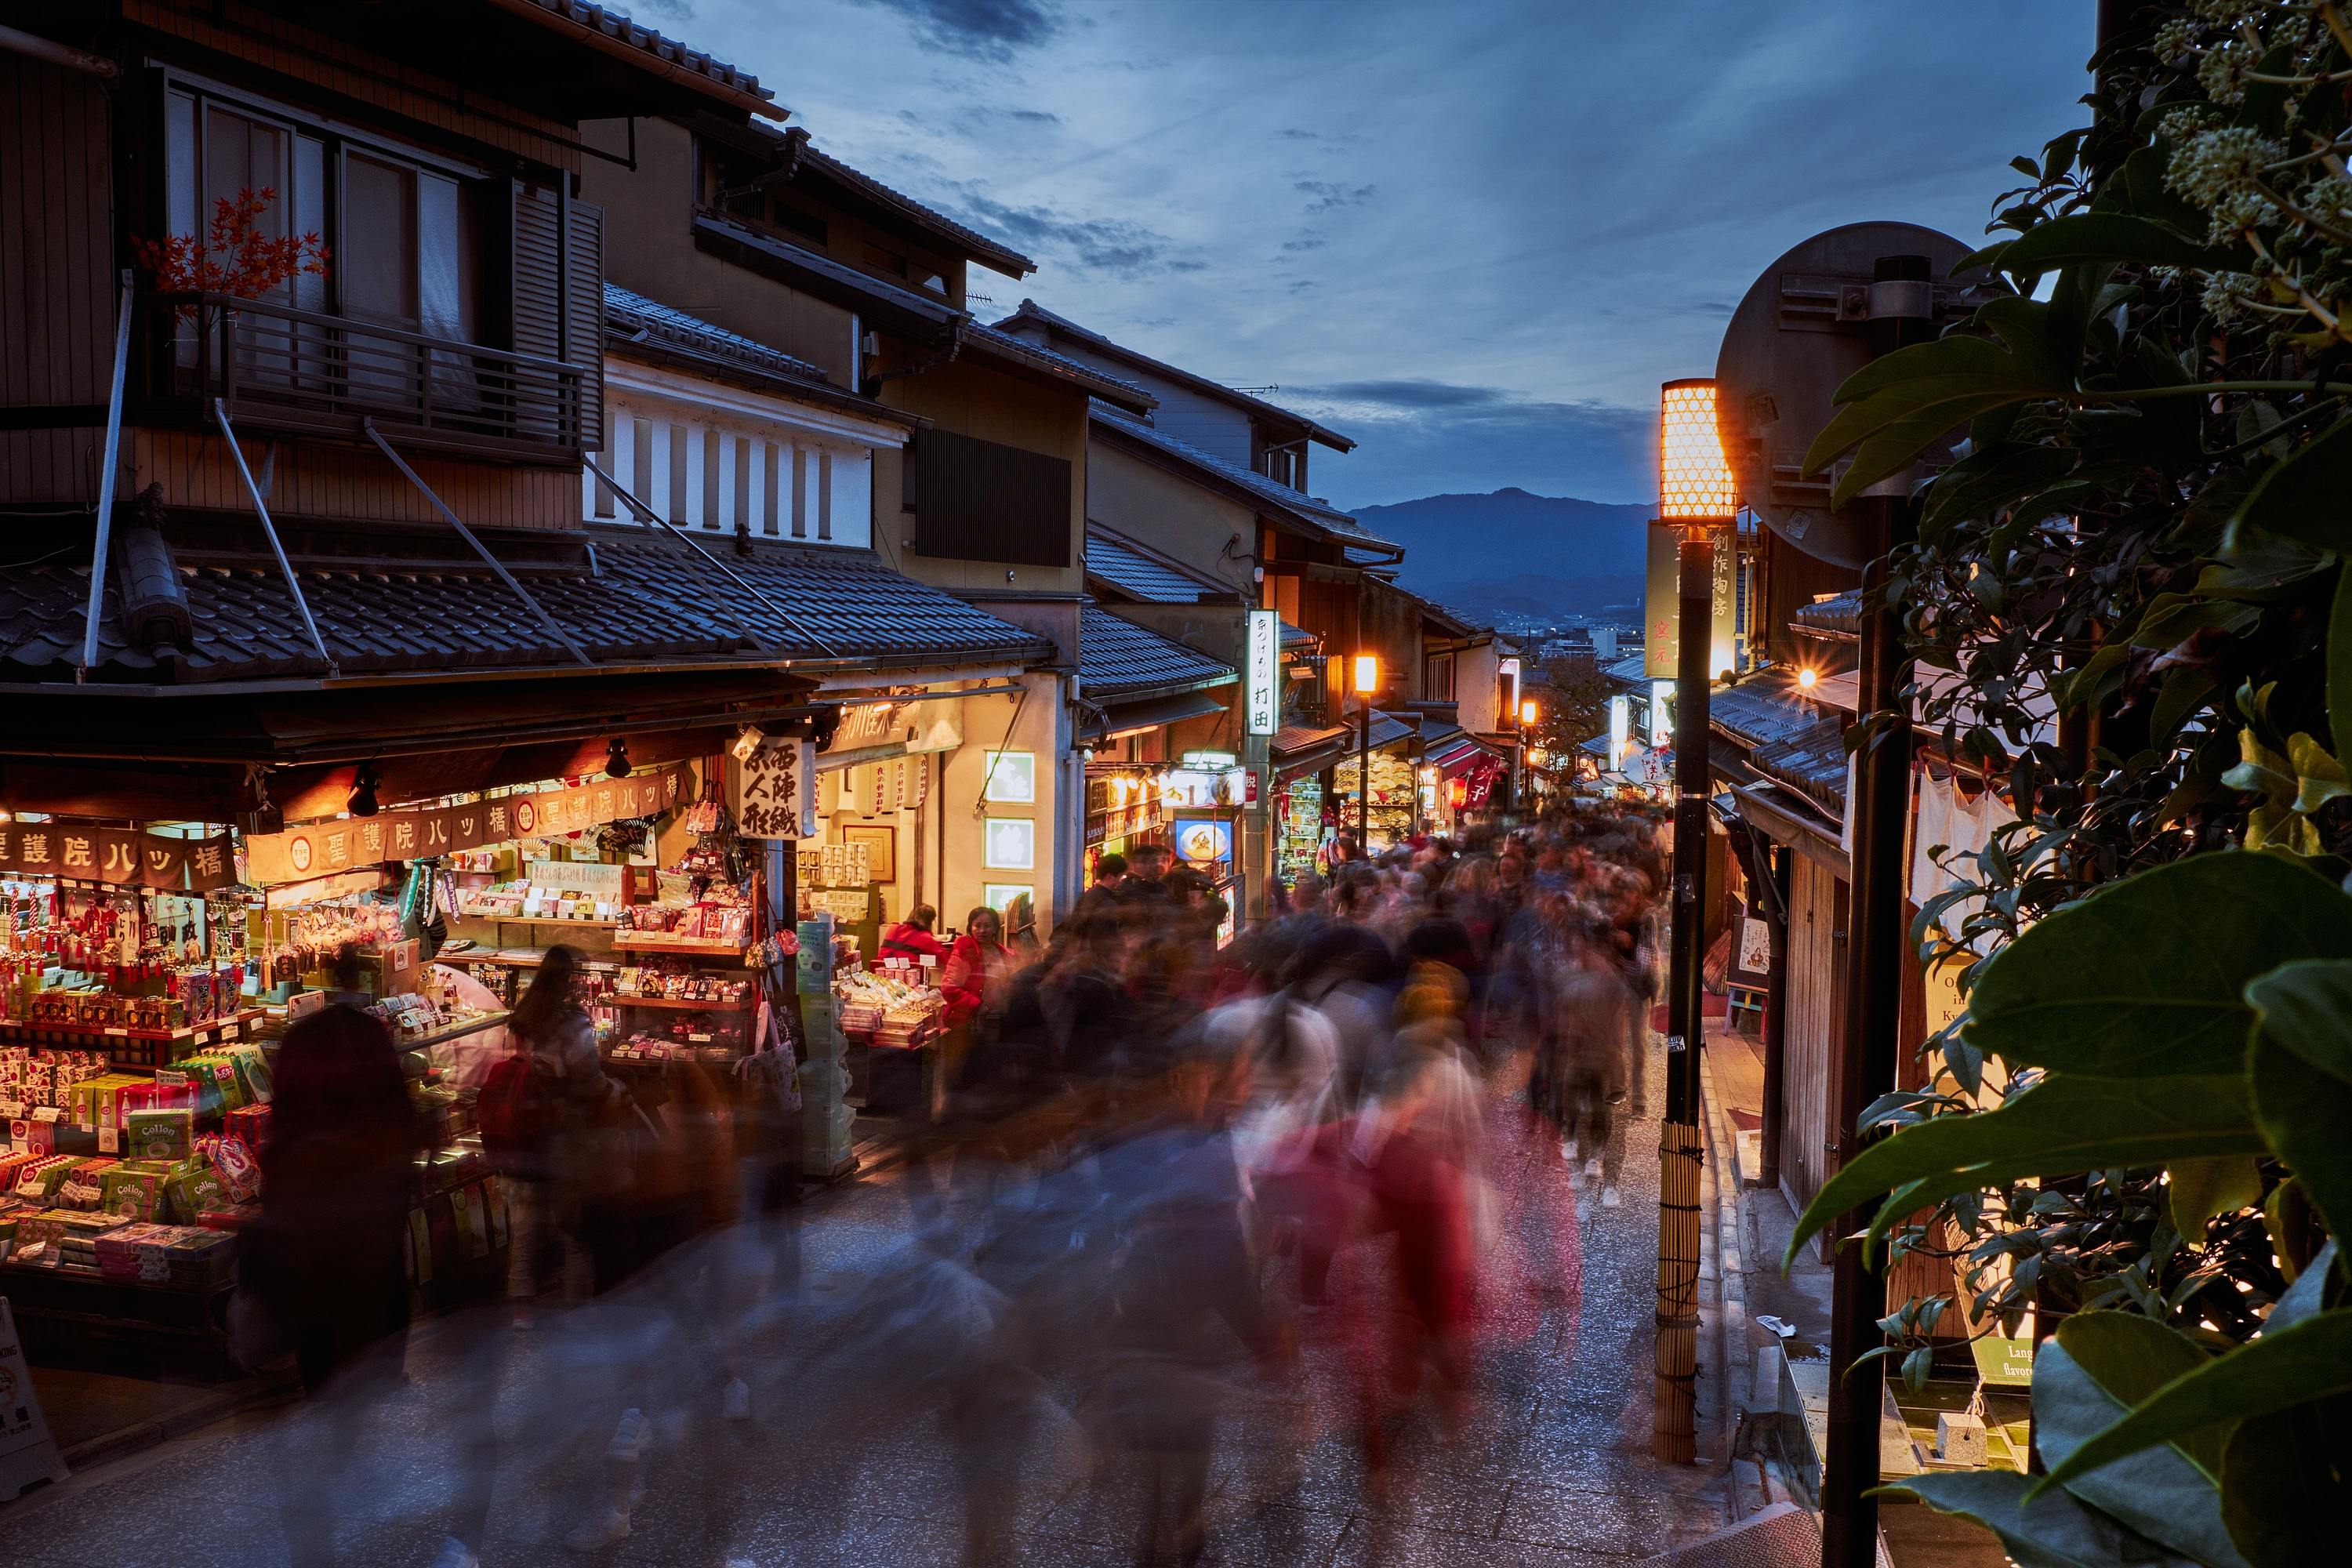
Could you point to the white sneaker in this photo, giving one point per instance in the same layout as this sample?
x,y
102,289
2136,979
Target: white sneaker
x,y
1609,1199
455,1553
735,1405
1568,1150
608,1528
1592,1169
628,1437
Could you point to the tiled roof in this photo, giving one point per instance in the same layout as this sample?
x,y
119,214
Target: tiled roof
x,y
932,309
1811,761
1633,670
1118,658
1033,312
1297,637
1839,615
1766,707
724,79
846,598
1099,382
652,600
998,258
632,317
1313,512
1142,576
1297,738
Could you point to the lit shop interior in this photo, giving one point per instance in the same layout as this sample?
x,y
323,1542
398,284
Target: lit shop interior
x,y
151,971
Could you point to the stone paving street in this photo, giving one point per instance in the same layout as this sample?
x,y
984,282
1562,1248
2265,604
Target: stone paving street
x,y
1551,1470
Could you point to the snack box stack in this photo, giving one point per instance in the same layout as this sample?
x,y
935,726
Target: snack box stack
x,y
199,1259
39,1177
38,1074
135,1251
7,1233
250,1125
83,1188
64,1237
135,1189
161,1134
97,1102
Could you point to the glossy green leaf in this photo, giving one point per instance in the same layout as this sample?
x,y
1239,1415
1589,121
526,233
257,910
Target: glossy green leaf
x,y
2056,1530
2147,976
1985,481
2160,1492
2109,236
2307,1297
2306,1361
1897,406
2287,1489
2200,1189
2061,1127
2304,497
2301,1068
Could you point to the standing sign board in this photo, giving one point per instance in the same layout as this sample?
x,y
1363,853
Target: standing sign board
x,y
27,1452
772,792
1261,694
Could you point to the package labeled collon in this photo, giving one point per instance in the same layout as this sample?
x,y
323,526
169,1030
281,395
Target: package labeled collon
x,y
159,1134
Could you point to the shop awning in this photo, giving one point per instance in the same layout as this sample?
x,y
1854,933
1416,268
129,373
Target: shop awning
x,y
1127,718
1775,815
1119,662
1461,752
1301,749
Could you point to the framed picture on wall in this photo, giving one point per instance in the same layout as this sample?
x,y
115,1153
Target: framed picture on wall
x,y
881,841
1012,777
997,895
1010,843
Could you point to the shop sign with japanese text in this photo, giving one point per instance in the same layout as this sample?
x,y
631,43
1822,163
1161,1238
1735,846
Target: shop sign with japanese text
x,y
124,856
1261,699
322,849
772,792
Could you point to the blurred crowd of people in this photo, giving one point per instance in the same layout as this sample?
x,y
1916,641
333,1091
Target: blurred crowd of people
x,y
1332,1169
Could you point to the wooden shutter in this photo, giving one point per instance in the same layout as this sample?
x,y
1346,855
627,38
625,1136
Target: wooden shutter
x,y
981,501
583,315
535,307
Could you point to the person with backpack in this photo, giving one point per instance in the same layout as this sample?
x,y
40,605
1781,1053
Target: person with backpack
x,y
539,1113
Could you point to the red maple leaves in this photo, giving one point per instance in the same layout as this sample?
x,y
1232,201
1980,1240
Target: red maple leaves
x,y
235,257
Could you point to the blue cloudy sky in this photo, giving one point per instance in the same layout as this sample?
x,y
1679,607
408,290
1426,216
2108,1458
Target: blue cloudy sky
x,y
1474,234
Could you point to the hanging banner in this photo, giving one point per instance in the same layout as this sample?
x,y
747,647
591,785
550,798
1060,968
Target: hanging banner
x,y
1261,700
124,856
321,848
772,792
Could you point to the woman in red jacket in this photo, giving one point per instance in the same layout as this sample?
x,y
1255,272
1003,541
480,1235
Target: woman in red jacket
x,y
911,938
979,966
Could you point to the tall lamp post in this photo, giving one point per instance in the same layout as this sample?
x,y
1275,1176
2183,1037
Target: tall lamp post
x,y
1697,498
1523,790
1368,681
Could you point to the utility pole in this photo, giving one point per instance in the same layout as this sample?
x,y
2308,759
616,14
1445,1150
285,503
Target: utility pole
x,y
1695,495
1901,313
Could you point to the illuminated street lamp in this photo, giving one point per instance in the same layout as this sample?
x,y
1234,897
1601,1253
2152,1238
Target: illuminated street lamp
x,y
1698,498
1808,678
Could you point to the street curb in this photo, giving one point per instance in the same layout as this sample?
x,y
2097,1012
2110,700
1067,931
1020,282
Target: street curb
x,y
219,1404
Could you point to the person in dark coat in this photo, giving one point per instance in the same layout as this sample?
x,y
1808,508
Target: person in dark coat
x,y
325,1262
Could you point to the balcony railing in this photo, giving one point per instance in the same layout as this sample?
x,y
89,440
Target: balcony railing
x,y
285,369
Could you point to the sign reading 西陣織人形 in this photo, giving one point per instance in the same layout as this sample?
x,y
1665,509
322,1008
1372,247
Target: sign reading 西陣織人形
x,y
772,792
321,848
124,856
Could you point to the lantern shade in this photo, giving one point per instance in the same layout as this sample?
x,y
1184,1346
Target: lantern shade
x,y
1694,479
1527,713
1368,673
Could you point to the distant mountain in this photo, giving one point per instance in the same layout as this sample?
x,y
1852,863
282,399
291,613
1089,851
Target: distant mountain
x,y
1514,552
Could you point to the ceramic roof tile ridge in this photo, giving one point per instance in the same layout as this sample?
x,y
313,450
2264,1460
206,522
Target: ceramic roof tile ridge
x,y
619,26
1020,265
631,314
1029,310
1117,657
1304,507
1143,573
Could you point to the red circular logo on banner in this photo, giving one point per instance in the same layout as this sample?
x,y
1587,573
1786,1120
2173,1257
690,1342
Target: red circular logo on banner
x,y
297,852
526,815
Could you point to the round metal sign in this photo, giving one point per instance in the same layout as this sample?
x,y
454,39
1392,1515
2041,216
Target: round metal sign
x,y
1803,327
